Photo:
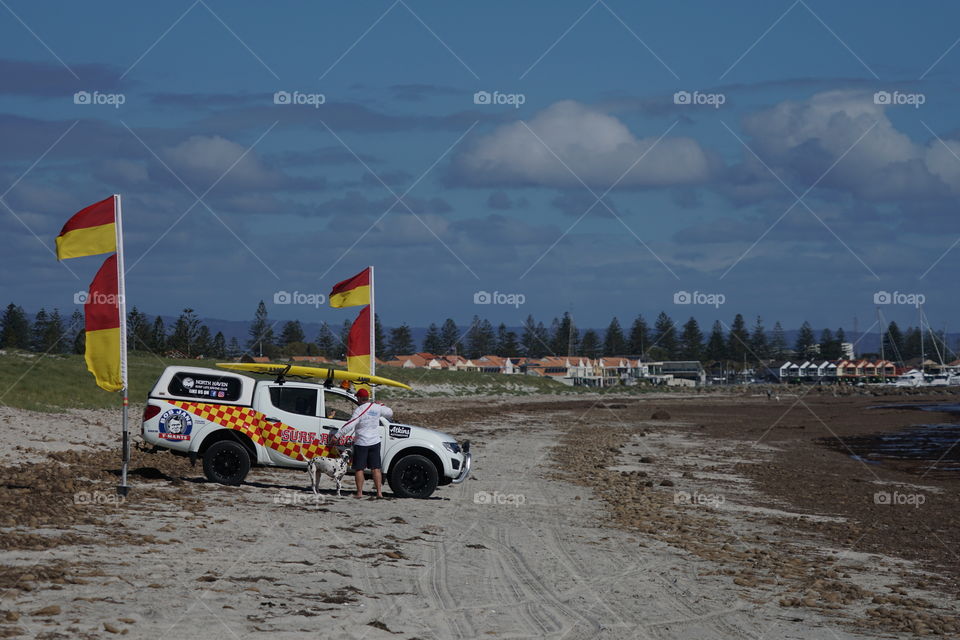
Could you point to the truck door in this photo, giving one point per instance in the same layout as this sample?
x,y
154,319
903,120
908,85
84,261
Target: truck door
x,y
295,408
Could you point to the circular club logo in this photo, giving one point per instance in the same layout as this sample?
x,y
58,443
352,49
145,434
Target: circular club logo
x,y
176,424
188,383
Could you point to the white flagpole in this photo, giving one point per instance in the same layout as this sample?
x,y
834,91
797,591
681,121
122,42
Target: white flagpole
x,y
122,307
373,334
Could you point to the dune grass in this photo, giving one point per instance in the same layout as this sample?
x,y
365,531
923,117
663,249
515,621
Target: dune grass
x,y
53,383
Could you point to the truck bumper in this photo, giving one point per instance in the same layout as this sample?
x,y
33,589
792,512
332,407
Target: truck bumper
x,y
465,470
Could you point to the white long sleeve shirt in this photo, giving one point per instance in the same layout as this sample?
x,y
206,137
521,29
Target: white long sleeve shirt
x,y
364,425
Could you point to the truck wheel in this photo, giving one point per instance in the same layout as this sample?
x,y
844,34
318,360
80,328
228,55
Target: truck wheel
x,y
226,462
413,476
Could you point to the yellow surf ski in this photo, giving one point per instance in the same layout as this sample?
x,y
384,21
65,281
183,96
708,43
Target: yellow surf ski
x,y
311,372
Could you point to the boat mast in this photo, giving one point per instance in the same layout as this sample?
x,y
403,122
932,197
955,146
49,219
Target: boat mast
x,y
883,366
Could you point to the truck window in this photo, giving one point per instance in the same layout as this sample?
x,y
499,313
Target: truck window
x,y
199,385
337,406
294,400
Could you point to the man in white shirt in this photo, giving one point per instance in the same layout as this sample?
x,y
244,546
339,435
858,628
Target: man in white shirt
x,y
365,427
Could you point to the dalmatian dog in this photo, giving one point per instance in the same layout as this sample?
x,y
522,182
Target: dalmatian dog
x,y
336,468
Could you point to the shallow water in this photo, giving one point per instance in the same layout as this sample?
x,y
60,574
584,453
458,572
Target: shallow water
x,y
927,449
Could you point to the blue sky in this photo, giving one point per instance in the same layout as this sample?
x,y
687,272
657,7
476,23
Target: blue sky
x,y
794,190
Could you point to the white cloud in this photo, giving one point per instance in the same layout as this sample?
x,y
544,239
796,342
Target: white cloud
x,y
805,138
596,146
206,158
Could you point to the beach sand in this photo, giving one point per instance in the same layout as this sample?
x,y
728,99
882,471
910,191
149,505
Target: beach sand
x,y
655,516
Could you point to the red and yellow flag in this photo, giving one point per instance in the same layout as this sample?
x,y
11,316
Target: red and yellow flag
x,y
352,292
102,323
358,343
89,232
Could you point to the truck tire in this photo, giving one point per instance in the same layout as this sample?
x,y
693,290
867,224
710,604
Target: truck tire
x,y
413,476
226,462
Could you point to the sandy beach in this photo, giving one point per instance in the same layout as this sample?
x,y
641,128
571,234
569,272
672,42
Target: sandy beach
x,y
655,516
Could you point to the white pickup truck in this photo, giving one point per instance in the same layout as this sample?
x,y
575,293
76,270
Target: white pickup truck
x,y
233,421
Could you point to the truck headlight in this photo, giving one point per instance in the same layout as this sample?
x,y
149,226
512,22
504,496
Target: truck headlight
x,y
453,447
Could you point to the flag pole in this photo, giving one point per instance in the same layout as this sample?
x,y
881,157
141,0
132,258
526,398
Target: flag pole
x,y
123,489
373,333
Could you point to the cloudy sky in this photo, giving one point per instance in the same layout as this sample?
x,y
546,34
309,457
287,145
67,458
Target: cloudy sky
x,y
593,157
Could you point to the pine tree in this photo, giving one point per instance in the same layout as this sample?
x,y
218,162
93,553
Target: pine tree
x,y
534,341
565,338
829,345
137,328
449,338
77,335
80,341
203,343
183,337
379,341
738,340
326,342
778,344
614,344
432,343
691,341
219,348
664,338
345,339
158,336
292,332
234,350
507,343
401,341
893,342
261,331
716,348
481,340
39,333
912,347
14,328
805,340
759,348
53,340
590,346
639,340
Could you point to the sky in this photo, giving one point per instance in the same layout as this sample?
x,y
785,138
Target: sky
x,y
793,160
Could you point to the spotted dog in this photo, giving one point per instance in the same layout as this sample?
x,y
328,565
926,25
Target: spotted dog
x,y
336,468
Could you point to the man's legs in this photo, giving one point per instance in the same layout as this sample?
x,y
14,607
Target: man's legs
x,y
359,478
359,464
375,466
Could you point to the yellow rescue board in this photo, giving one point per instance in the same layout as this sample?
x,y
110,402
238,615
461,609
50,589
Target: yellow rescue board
x,y
311,372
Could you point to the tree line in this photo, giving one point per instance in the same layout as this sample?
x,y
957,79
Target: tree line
x,y
663,340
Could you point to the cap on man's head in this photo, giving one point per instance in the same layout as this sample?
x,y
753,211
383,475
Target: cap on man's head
x,y
363,394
